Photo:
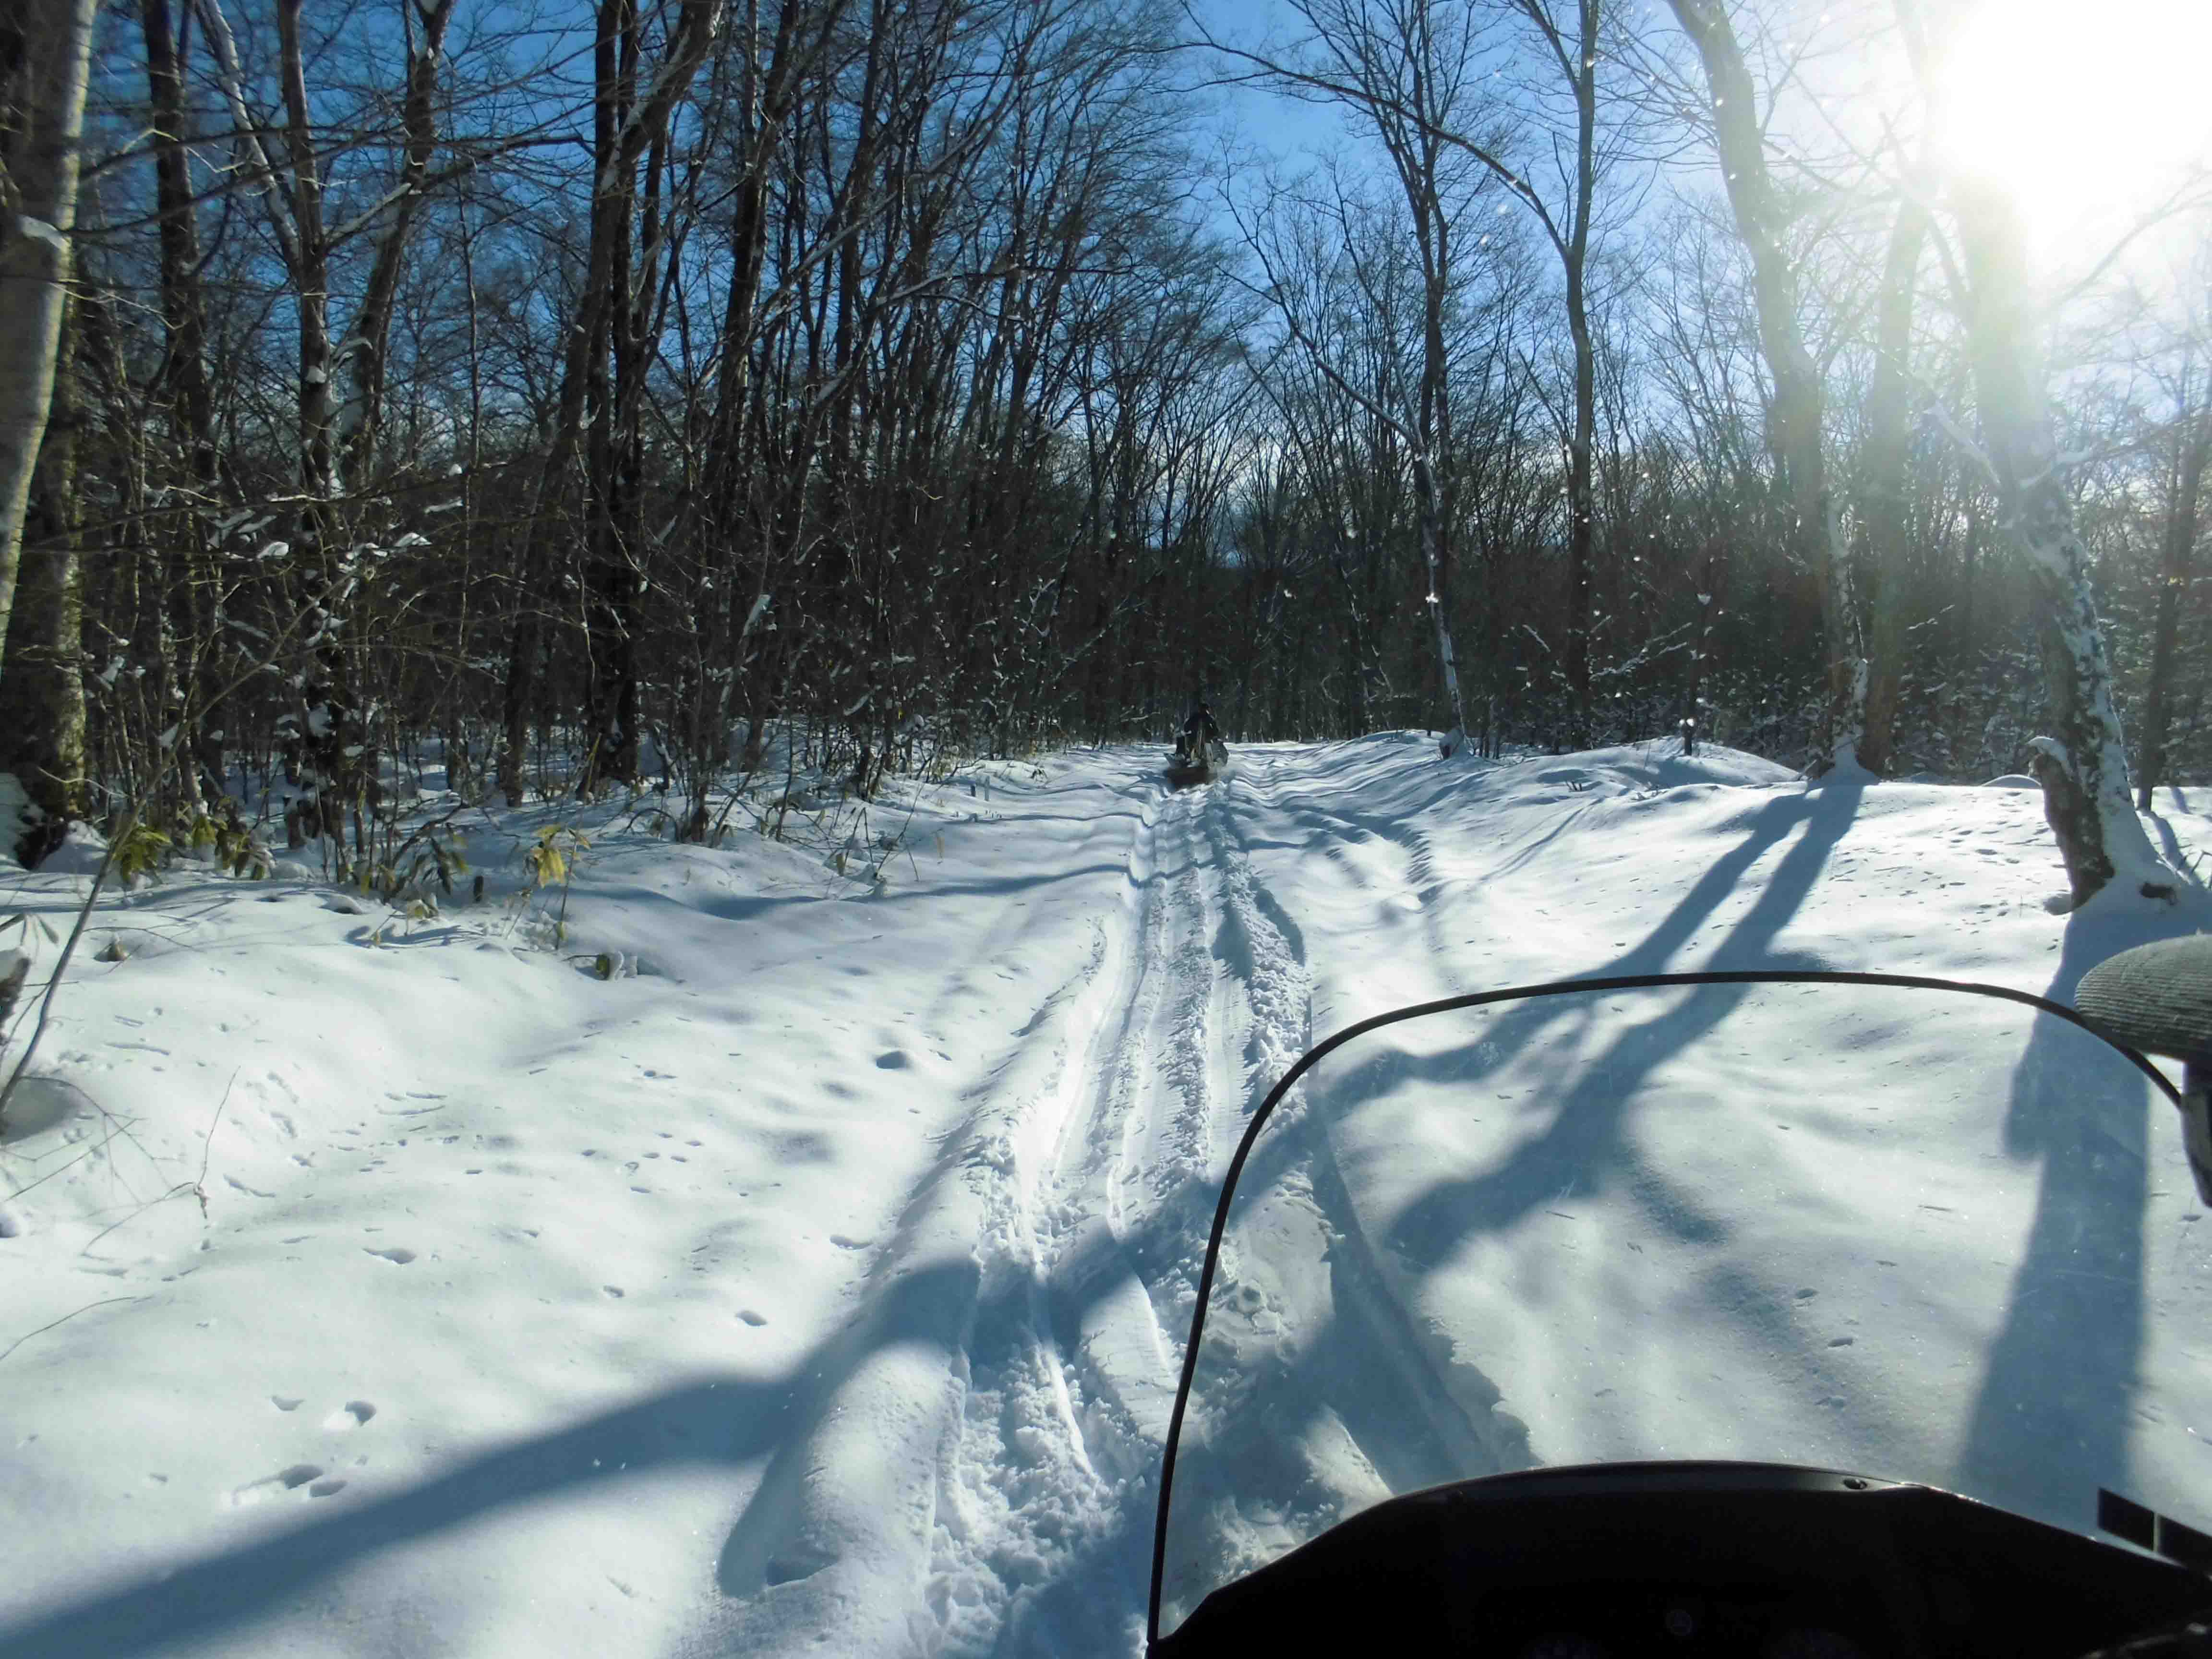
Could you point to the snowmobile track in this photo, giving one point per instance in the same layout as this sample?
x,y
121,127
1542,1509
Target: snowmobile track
x,y
1083,1180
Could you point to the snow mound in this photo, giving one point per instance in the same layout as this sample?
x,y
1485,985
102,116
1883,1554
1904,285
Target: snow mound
x,y
1659,764
81,853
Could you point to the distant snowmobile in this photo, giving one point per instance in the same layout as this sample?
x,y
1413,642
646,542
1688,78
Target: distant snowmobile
x,y
1199,750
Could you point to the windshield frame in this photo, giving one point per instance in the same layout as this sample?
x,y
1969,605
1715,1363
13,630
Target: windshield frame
x,y
1320,1051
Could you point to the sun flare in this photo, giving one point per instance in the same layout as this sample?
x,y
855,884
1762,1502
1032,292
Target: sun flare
x,y
2089,114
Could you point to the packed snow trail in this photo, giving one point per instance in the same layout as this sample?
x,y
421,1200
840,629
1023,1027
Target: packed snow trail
x,y
1089,1168
821,1286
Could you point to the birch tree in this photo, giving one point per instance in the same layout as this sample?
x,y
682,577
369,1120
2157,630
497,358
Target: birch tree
x,y
2082,760
45,48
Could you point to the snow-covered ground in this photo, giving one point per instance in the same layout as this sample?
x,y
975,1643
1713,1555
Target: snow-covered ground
x,y
373,1288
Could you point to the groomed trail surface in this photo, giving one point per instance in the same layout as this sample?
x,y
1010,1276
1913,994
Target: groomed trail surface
x,y
820,1287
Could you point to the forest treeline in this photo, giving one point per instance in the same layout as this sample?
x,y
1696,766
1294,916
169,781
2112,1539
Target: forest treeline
x,y
575,391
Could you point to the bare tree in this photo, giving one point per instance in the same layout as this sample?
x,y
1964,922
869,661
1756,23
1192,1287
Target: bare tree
x,y
2184,465
1882,484
625,128
337,752
1573,53
1410,70
1795,416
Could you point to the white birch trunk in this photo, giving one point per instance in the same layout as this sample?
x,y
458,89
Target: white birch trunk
x,y
2083,763
38,211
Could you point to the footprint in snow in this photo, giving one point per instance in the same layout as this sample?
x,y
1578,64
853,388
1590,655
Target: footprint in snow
x,y
351,1415
751,1318
286,1403
893,1059
395,1254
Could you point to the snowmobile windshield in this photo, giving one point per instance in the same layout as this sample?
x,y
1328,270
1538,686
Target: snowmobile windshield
x,y
1910,1233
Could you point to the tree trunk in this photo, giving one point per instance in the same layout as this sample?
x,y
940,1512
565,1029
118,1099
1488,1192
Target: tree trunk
x,y
45,53
1432,519
1582,492
191,396
330,745
1795,416
183,315
1889,436
2083,763
2193,444
616,153
42,682
1435,432
361,418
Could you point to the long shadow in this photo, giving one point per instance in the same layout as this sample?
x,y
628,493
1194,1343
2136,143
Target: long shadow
x,y
730,1420
1829,811
2169,844
735,1421
1585,1144
1069,1607
743,908
2051,1418
1100,1580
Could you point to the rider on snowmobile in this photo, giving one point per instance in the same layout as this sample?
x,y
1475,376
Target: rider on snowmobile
x,y
1198,731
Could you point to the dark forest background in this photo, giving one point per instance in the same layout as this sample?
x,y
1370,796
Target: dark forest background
x,y
579,395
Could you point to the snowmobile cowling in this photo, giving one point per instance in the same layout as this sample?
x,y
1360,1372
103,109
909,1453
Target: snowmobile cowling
x,y
1692,1558
1728,1552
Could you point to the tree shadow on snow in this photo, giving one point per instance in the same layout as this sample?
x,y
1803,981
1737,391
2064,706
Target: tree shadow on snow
x,y
1585,1143
730,1420
2077,1294
2051,1417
